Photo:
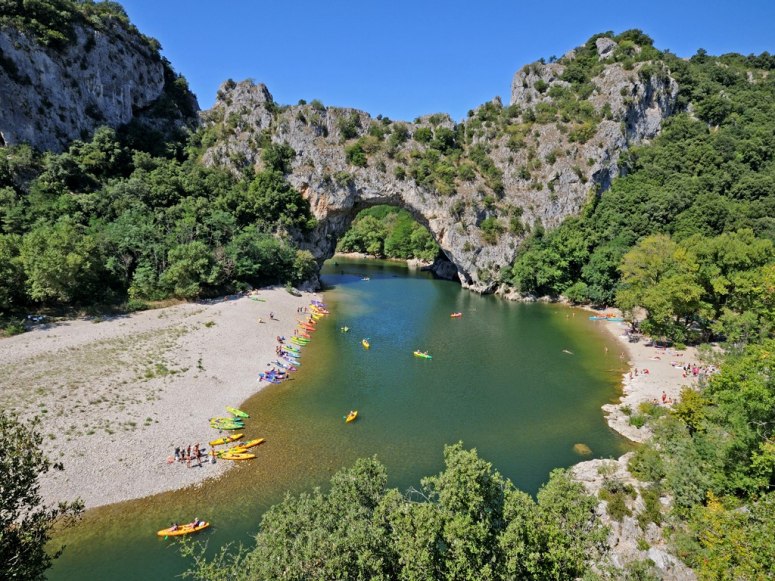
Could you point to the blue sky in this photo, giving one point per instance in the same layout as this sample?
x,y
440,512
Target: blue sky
x,y
406,58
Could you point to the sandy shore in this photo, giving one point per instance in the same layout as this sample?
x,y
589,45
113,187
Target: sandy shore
x,y
116,396
664,375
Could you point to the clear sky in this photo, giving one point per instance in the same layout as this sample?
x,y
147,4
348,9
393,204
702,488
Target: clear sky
x,y
404,58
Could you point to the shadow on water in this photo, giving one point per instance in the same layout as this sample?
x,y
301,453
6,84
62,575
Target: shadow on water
x,y
499,380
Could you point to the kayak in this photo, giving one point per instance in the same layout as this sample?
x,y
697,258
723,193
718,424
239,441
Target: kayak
x,y
227,427
186,529
287,366
226,440
612,319
250,444
291,349
220,423
303,335
238,456
422,354
235,422
225,419
237,412
456,315
365,343
351,416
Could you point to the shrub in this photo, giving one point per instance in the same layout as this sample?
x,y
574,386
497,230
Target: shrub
x,y
355,155
348,126
491,230
423,134
615,493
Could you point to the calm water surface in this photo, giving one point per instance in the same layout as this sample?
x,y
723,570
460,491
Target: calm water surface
x,y
499,381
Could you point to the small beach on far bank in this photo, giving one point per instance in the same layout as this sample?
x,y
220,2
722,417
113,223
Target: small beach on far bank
x,y
655,375
116,396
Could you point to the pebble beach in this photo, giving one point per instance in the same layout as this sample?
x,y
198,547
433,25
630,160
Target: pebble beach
x,y
117,395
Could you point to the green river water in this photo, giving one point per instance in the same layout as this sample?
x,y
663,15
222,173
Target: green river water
x,y
499,380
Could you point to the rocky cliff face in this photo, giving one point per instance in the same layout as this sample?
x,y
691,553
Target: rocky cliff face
x,y
480,185
50,96
630,540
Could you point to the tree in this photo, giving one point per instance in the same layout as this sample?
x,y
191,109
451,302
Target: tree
x,y
62,262
328,536
11,273
661,276
191,269
25,522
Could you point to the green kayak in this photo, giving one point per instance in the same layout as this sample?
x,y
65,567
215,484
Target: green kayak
x,y
237,412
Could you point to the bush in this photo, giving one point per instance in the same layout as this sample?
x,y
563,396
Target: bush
x,y
349,126
491,230
616,493
355,155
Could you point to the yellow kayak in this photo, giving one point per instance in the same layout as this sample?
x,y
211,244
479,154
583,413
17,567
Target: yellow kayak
x,y
365,343
250,443
351,416
238,456
186,529
225,440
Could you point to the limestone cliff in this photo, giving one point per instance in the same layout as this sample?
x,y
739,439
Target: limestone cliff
x,y
106,75
479,185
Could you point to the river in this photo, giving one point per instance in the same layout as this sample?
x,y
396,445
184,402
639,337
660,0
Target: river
x,y
522,383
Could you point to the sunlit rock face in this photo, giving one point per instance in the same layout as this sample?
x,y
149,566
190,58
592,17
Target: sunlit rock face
x,y
546,175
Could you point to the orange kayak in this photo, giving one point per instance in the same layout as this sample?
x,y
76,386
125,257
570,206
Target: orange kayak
x,y
186,529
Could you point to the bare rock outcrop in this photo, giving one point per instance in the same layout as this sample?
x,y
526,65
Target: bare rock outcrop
x,y
629,540
50,96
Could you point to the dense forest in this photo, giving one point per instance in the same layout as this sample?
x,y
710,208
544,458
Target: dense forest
x,y
103,222
687,233
389,232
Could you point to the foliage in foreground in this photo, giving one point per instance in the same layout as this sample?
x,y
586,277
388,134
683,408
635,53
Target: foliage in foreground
x,y
468,522
25,523
715,456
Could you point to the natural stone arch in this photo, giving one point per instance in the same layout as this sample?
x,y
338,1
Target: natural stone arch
x,y
336,209
333,223
479,222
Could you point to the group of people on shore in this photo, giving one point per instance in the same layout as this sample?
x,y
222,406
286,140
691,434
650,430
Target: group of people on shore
x,y
694,370
189,454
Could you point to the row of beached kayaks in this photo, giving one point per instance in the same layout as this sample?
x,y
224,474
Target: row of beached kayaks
x,y
286,362
288,359
611,318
